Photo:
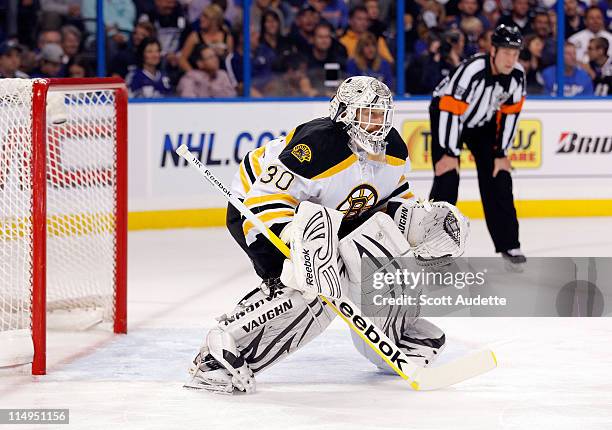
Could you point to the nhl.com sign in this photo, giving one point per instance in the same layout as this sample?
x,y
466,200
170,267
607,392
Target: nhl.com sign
x,y
575,143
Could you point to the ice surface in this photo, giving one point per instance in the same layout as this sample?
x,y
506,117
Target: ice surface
x,y
553,373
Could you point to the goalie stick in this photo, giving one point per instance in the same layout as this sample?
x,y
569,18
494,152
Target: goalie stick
x,y
419,378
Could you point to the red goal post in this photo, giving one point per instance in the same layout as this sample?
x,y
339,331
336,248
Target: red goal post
x,y
63,208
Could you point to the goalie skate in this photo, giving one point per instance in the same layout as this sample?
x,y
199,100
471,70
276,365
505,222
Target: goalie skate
x,y
207,374
215,381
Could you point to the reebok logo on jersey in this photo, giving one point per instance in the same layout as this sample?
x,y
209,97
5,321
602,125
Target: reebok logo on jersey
x,y
268,316
302,152
370,331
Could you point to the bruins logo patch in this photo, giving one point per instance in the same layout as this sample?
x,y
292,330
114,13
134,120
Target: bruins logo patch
x,y
302,152
359,200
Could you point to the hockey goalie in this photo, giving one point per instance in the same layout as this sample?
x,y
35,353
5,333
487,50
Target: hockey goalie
x,y
335,190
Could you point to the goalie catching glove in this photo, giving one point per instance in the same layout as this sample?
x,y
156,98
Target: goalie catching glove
x,y
313,238
436,231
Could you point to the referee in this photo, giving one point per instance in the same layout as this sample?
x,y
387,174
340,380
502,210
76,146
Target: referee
x,y
479,104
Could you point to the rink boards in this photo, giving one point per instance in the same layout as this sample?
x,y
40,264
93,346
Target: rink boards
x,y
562,156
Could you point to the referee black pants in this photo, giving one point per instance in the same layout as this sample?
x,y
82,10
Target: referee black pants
x,y
496,193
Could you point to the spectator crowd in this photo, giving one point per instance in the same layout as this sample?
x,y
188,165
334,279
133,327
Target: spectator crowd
x,y
298,48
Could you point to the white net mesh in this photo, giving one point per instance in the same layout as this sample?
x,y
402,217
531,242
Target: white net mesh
x,y
81,175
15,204
81,202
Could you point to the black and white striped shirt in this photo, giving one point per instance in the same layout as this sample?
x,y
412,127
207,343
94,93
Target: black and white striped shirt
x,y
472,95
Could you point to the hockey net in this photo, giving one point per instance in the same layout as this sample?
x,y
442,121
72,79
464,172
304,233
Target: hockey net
x,y
62,211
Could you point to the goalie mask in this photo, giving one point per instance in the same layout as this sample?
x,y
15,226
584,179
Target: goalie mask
x,y
365,105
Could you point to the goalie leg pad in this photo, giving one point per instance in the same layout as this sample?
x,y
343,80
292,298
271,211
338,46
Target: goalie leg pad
x,y
380,240
279,327
421,340
378,237
264,328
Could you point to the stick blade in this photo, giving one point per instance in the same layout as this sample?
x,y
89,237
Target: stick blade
x,y
469,366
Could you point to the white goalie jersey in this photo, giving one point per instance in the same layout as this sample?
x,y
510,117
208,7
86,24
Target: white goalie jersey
x,y
315,163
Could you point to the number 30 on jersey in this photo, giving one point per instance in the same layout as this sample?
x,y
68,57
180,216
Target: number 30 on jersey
x,y
281,178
